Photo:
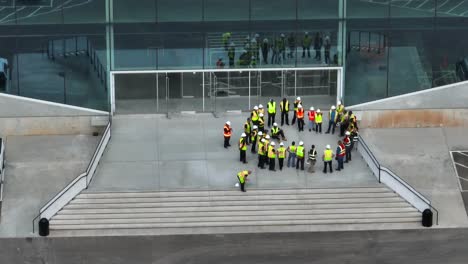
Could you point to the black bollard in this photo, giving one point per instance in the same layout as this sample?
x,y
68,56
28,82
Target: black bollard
x,y
427,218
43,227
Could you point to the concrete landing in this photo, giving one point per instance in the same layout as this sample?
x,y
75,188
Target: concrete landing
x,y
421,157
151,152
38,167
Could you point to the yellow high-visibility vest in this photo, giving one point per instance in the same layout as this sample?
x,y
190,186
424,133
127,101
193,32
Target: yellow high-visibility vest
x,y
284,107
271,152
328,155
300,151
271,107
281,152
241,176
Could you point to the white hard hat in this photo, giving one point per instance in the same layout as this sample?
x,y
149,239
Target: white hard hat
x,y
282,35
298,98
265,40
347,133
255,107
301,143
281,144
228,123
255,127
299,106
311,108
243,135
260,106
267,137
328,146
260,133
260,115
263,140
318,110
272,143
339,102
307,33
275,124
257,35
333,107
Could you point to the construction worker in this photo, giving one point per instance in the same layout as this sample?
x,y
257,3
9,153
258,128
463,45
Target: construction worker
x,y
284,107
261,122
247,130
306,42
243,148
340,155
265,49
282,47
300,117
291,155
242,177
332,116
254,116
340,110
352,119
311,115
291,45
318,121
297,102
231,54
227,134
267,145
328,156
300,155
226,39
260,109
276,132
347,143
281,155
271,156
271,112
312,159
344,122
261,153
253,138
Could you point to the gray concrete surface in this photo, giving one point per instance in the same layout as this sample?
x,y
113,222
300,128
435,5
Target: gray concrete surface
x,y
38,167
364,247
151,152
444,97
421,157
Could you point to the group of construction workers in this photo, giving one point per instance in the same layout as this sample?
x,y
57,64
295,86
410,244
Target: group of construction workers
x,y
262,141
279,46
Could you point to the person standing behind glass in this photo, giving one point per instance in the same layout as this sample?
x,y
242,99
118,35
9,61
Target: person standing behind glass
x,y
318,43
265,49
291,45
327,49
231,54
306,42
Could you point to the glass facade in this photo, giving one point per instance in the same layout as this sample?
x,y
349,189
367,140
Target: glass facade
x,y
64,50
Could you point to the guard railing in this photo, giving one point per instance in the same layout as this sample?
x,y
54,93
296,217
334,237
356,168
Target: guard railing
x,y
2,167
394,182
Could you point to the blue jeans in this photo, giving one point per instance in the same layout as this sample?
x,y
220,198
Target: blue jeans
x,y
340,163
291,156
311,124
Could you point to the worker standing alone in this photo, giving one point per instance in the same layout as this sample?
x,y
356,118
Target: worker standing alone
x,y
243,147
242,177
271,112
272,156
300,155
281,155
227,134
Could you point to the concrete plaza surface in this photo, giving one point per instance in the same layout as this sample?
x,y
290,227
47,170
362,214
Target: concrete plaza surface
x,y
421,157
151,152
38,167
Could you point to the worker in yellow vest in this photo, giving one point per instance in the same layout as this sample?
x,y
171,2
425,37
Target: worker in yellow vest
x,y
253,138
300,155
277,132
261,122
318,121
248,130
292,155
243,148
267,146
272,156
271,112
340,110
328,156
242,178
284,107
281,155
261,154
254,115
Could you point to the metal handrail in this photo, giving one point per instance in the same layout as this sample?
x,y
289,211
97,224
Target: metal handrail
x,y
396,177
75,180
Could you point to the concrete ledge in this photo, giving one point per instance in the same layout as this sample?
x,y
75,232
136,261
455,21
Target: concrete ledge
x,y
416,118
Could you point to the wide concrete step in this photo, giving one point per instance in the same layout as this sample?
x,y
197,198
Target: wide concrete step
x,y
208,219
236,193
246,207
97,214
236,223
80,200
231,203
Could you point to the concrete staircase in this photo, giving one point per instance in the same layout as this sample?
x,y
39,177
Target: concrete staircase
x,y
182,212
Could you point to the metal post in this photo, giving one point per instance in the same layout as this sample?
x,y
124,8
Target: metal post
x,y
157,92
203,91
295,83
167,95
215,88
250,86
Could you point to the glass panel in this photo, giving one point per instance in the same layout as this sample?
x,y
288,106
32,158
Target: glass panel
x,y
35,12
216,10
136,51
162,88
83,12
231,90
317,43
227,46
135,93
125,11
177,54
447,8
316,9
180,11
8,65
316,88
273,10
413,8
368,8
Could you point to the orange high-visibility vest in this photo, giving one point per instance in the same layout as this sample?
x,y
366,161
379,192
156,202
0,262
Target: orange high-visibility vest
x,y
300,113
227,131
